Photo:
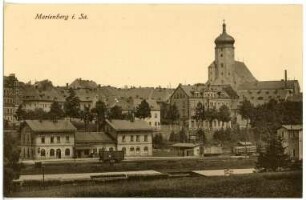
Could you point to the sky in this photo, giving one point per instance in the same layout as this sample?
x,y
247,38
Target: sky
x,y
149,45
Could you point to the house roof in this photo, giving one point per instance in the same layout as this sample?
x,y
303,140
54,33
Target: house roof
x,y
268,85
92,137
185,145
126,125
79,83
50,126
293,127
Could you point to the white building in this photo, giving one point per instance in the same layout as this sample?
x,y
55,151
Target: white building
x,y
46,139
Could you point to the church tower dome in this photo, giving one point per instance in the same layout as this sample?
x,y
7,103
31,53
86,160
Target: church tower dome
x,y
224,38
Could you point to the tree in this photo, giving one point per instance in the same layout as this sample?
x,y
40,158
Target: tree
x,y
200,114
20,113
274,157
10,162
37,114
182,136
100,113
211,115
116,113
56,111
86,116
158,141
72,105
246,110
224,114
172,137
143,110
172,115
201,137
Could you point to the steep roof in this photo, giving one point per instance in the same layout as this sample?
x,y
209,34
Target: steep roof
x,y
242,71
126,125
92,137
30,93
50,126
293,127
267,85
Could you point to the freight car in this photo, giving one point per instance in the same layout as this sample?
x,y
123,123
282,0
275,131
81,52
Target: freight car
x,y
111,156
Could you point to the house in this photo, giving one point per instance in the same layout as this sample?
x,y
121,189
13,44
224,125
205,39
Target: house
x,y
11,98
132,137
187,97
89,144
47,139
292,136
154,119
187,149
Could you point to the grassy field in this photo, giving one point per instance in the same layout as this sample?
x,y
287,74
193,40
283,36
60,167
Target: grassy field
x,y
281,184
159,165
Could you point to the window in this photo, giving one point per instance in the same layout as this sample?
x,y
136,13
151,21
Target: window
x,y
42,152
43,139
52,139
67,139
132,138
52,152
155,115
221,55
123,138
67,152
155,123
58,139
111,149
260,98
137,138
132,149
146,149
146,138
137,149
221,65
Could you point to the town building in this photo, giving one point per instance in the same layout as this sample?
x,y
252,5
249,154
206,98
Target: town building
x,y
187,97
132,137
89,144
292,136
11,98
35,98
47,139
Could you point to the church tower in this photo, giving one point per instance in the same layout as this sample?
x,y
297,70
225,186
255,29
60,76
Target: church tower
x,y
221,71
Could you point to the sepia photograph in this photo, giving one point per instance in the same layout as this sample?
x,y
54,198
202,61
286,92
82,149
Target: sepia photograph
x,y
153,100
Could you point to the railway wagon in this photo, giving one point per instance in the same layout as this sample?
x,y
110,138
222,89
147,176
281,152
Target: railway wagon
x,y
111,156
244,150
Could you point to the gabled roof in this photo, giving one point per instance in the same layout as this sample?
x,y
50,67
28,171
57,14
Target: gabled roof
x,y
293,127
50,126
92,137
267,85
242,71
126,125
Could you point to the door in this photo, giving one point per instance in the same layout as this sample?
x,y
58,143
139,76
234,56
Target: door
x,y
58,153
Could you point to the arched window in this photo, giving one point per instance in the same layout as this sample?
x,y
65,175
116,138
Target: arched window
x,y
52,152
146,149
42,152
67,152
132,149
137,149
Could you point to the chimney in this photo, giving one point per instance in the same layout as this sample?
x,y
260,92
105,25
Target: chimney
x,y
285,78
67,85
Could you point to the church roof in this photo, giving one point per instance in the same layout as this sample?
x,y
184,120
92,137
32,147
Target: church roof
x,y
224,38
243,72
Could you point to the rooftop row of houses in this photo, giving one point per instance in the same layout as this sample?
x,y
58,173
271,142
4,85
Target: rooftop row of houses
x,y
46,139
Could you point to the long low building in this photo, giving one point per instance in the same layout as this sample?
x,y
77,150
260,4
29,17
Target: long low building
x,y
48,139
